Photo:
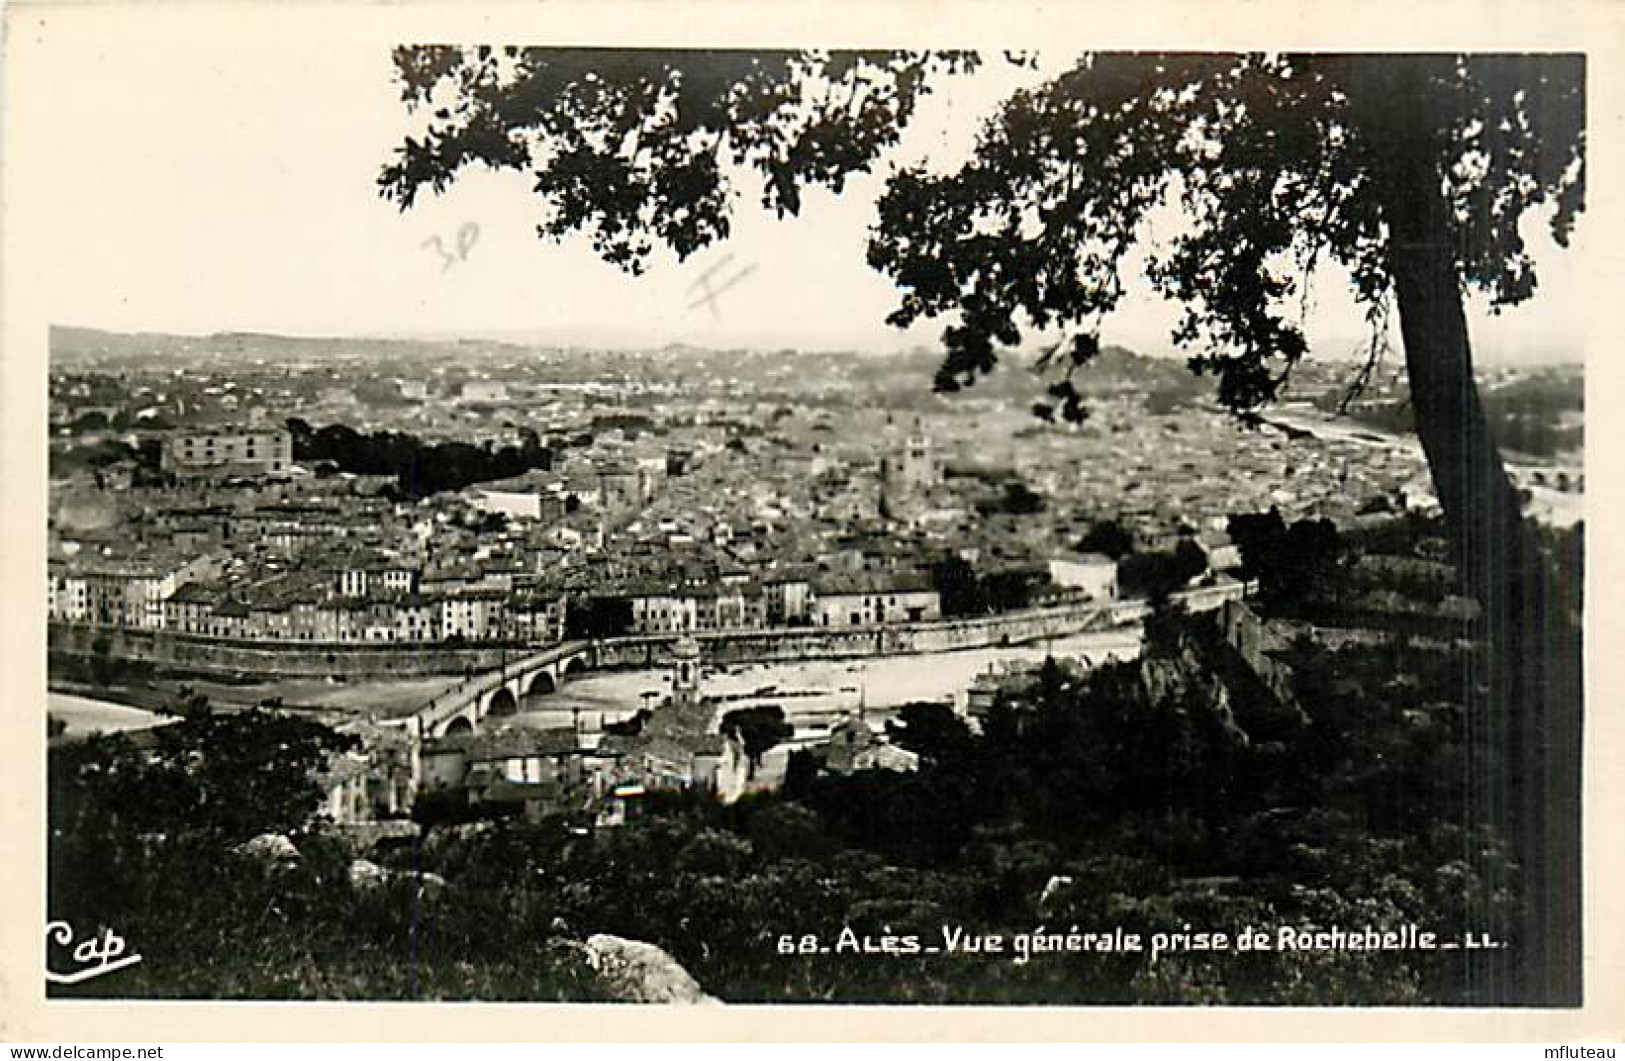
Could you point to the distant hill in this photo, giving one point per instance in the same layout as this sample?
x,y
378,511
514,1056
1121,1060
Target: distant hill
x,y
903,376
70,343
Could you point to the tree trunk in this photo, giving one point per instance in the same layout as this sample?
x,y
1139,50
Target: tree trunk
x,y
1523,702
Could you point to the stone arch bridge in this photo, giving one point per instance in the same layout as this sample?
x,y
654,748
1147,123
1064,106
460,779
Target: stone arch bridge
x,y
498,692
461,708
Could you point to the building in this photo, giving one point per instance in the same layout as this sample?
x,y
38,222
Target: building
x,y
685,674
1223,554
111,592
190,609
485,390
346,799
371,575
474,615
787,599
69,596
416,618
677,747
1093,573
228,452
538,617
622,487
662,611
853,746
540,769
515,504
915,469
873,599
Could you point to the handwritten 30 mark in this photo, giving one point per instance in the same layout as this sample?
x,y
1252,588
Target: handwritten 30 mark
x,y
468,234
710,293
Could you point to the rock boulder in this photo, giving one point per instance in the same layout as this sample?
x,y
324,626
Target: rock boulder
x,y
634,971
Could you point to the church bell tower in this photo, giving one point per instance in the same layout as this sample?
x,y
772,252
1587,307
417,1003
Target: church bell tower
x,y
685,677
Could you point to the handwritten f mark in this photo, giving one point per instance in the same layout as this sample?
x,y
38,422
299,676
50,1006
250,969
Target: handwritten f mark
x,y
709,293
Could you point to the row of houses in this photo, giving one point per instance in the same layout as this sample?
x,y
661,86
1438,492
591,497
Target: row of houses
x,y
827,599
132,595
369,594
392,601
561,771
209,610
349,604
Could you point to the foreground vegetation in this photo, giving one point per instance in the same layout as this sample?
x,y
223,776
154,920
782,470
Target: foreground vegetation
x,y
1178,795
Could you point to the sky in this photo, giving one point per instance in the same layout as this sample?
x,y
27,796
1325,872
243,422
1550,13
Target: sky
x,y
232,187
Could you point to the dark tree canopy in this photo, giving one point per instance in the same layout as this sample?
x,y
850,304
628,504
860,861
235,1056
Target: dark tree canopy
x,y
1158,575
1108,538
631,147
760,728
932,730
221,778
1293,562
1275,162
419,468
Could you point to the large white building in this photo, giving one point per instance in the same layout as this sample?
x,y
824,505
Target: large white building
x,y
873,600
515,504
485,390
1093,573
228,452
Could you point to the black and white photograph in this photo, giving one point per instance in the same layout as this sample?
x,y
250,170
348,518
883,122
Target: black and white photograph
x,y
543,518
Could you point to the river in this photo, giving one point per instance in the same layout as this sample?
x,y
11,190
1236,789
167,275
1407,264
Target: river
x,y
1545,505
814,692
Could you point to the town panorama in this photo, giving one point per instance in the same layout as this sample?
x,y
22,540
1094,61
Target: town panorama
x,y
577,645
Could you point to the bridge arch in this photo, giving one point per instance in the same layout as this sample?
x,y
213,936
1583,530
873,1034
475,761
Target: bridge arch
x,y
575,665
502,702
459,725
542,684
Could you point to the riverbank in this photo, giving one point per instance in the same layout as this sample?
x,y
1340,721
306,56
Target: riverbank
x,y
814,693
388,697
83,716
195,658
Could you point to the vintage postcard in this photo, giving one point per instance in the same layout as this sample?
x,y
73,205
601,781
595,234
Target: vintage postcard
x,y
696,515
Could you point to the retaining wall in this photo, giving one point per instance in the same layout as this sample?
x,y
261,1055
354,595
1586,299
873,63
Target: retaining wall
x,y
282,659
